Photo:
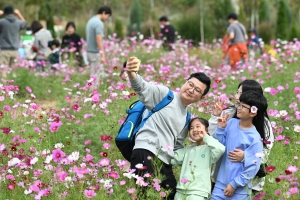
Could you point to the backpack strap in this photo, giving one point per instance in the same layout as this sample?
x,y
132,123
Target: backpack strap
x,y
166,100
188,118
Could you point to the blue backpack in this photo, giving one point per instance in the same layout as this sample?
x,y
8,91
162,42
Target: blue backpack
x,y
126,136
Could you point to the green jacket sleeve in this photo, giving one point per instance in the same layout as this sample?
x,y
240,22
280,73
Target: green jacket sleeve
x,y
216,148
178,157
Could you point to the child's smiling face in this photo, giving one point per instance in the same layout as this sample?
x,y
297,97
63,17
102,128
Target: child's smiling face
x,y
197,131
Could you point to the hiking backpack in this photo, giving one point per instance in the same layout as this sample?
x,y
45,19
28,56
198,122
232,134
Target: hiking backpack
x,y
125,139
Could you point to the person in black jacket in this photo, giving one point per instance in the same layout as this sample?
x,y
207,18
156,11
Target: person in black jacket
x,y
72,40
167,32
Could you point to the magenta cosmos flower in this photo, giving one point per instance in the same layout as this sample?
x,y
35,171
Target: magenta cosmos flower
x,y
57,155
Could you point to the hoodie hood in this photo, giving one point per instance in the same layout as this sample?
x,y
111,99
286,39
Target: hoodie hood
x,y
10,18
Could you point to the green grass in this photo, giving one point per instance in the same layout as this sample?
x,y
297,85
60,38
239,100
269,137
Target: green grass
x,y
73,133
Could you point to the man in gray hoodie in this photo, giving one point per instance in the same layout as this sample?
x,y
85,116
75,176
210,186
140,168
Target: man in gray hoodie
x,y
10,27
164,131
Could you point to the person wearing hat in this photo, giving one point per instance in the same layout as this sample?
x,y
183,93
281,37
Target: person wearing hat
x,y
10,27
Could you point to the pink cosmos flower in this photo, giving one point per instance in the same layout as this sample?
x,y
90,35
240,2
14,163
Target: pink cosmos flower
x,y
85,116
7,108
36,129
62,175
87,142
277,192
28,89
106,145
11,186
2,147
162,194
95,98
104,162
131,190
280,137
297,90
10,177
273,91
294,190
123,182
113,175
292,168
54,127
57,155
80,171
89,193
88,158
2,98
280,88
36,186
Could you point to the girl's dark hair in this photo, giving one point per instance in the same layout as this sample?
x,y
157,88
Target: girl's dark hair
x,y
202,121
252,85
70,24
36,26
258,100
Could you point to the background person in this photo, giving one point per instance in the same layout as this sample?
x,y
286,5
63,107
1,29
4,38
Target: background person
x,y
10,27
94,40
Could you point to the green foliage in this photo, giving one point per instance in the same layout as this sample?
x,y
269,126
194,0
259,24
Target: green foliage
x,y
119,29
242,15
266,31
221,9
189,3
135,18
294,32
189,28
264,11
282,21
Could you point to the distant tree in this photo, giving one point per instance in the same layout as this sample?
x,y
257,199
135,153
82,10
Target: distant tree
x,y
221,9
135,18
119,28
282,24
264,11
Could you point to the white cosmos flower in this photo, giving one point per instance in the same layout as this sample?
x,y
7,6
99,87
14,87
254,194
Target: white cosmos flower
x,y
283,113
125,93
74,156
59,146
28,191
13,162
48,159
34,160
297,128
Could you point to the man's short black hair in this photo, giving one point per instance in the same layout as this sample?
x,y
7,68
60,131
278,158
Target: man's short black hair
x,y
163,19
8,10
232,16
105,9
203,79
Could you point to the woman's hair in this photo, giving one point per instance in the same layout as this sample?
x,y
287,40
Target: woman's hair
x,y
202,121
70,24
252,85
258,100
36,26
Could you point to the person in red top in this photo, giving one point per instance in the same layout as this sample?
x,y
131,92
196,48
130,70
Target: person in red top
x,y
237,40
